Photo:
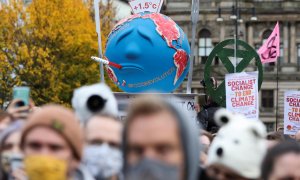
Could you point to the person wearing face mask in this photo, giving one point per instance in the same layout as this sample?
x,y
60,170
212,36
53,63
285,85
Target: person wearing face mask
x,y
159,141
97,109
102,154
11,156
52,144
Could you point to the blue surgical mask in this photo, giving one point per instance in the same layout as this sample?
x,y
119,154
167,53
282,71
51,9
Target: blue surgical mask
x,y
102,161
147,169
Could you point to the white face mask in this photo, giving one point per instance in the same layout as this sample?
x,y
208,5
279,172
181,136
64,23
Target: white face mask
x,y
102,161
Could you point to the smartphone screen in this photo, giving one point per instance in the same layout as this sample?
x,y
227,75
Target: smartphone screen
x,y
22,93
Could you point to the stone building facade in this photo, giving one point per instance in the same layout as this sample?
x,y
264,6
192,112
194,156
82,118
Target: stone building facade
x,y
211,31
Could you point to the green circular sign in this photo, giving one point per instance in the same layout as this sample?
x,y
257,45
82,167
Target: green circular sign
x,y
244,52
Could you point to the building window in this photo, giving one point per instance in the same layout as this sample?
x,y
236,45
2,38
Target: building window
x,y
298,54
269,126
266,34
267,98
281,59
205,45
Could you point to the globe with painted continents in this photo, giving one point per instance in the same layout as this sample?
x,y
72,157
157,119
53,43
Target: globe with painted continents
x,y
152,52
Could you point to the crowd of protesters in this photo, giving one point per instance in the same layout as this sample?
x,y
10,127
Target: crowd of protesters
x,y
156,141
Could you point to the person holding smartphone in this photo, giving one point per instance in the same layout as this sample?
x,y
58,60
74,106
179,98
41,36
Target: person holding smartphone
x,y
21,105
52,144
18,112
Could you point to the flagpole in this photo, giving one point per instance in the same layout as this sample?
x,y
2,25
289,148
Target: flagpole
x,y
277,93
98,30
194,18
236,34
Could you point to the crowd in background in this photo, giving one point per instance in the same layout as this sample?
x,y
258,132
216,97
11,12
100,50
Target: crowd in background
x,y
157,141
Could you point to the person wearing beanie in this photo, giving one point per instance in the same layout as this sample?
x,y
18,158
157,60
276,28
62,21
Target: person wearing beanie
x,y
159,141
237,151
52,144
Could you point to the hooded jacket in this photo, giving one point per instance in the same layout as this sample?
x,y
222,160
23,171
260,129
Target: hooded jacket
x,y
188,130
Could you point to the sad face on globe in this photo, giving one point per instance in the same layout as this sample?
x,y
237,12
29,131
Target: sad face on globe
x,y
152,50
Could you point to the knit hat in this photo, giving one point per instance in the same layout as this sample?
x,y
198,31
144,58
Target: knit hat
x,y
61,120
239,145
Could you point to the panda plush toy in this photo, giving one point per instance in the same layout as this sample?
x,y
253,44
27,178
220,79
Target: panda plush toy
x,y
240,144
94,99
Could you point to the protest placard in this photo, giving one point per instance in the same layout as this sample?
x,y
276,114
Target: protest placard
x,y
138,6
184,101
291,112
242,93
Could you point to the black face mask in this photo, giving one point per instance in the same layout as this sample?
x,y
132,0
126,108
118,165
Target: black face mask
x,y
148,169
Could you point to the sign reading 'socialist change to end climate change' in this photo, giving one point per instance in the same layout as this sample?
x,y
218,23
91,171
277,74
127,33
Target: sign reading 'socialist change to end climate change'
x,y
242,93
291,112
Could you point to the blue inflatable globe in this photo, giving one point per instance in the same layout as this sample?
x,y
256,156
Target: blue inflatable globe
x,y
152,52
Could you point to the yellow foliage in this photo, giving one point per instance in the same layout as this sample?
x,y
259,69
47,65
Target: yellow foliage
x,y
47,46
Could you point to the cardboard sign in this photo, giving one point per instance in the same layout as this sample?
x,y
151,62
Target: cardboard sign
x,y
139,6
291,112
185,101
242,94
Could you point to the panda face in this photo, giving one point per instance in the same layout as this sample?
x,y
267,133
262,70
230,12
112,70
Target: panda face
x,y
239,145
235,137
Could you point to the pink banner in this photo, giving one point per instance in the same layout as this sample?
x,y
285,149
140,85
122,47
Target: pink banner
x,y
270,50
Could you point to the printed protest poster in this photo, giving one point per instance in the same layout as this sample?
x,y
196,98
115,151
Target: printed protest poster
x,y
291,112
242,93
